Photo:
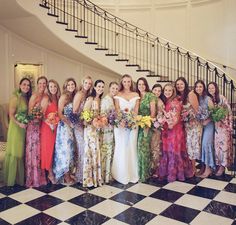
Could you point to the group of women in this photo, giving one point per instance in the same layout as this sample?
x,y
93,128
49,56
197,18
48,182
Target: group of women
x,y
73,150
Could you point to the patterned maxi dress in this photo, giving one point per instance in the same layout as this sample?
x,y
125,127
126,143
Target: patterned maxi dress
x,y
14,158
207,151
107,144
48,138
193,129
144,139
156,142
64,147
92,175
223,137
79,140
174,163
35,176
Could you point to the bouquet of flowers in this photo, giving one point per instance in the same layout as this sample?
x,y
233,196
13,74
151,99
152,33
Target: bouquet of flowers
x,y
87,115
218,113
22,117
143,121
187,113
111,117
126,119
202,114
158,122
36,113
100,121
52,120
170,117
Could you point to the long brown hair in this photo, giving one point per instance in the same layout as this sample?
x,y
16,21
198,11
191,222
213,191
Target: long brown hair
x,y
216,97
69,95
122,86
58,94
147,89
204,92
183,96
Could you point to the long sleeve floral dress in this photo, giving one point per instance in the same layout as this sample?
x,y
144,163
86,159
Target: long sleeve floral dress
x,y
174,163
223,137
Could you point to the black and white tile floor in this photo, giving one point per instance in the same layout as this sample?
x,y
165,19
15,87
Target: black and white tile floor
x,y
196,201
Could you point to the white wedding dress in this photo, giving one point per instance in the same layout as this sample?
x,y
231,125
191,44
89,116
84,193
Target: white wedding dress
x,y
125,160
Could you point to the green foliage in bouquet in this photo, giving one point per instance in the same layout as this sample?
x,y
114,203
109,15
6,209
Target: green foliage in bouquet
x,y
218,113
22,117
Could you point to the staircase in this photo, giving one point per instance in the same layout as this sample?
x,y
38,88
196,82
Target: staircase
x,y
121,42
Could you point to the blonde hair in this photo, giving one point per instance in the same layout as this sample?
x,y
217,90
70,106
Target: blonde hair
x,y
122,86
173,94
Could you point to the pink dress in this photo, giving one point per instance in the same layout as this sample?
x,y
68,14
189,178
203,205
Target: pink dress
x,y
48,137
174,163
35,176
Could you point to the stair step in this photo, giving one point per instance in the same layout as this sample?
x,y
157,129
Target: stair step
x,y
44,6
80,36
90,43
101,49
130,65
122,60
153,75
64,23
73,30
143,70
51,14
111,54
164,81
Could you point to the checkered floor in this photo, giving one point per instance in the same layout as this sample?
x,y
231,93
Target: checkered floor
x,y
196,201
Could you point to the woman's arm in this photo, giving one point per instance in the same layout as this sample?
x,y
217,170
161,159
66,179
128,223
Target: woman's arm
x,y
193,100
77,101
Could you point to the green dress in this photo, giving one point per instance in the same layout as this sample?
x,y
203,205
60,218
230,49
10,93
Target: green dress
x,y
144,139
14,158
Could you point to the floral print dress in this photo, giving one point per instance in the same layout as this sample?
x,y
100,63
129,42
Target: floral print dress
x,y
144,139
92,175
79,140
193,129
223,137
64,147
35,176
174,163
107,143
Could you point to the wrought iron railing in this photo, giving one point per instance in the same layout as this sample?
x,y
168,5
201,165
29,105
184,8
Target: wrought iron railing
x,y
143,50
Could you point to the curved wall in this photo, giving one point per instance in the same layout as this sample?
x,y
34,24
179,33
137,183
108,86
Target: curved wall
x,y
205,27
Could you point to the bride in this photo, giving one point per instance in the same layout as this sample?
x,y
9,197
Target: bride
x,y
125,162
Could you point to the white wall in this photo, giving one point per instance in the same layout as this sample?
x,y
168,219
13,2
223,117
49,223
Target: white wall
x,y
205,27
14,50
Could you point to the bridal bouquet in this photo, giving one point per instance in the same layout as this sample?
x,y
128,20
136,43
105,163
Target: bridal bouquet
x,y
144,121
52,120
158,122
187,113
202,114
22,117
99,121
87,115
126,119
36,113
218,113
111,117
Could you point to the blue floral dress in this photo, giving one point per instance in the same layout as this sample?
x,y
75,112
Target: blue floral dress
x,y
64,147
207,155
